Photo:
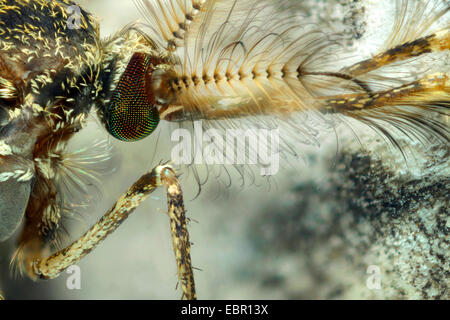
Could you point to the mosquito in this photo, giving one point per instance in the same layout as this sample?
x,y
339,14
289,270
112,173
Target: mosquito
x,y
192,59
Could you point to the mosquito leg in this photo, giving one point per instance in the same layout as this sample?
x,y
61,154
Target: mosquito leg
x,y
180,235
52,266
438,41
429,90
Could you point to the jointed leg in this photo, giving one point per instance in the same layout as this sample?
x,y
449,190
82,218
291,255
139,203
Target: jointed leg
x,y
180,237
52,266
429,90
436,42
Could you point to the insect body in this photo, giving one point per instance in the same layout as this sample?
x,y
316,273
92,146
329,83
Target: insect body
x,y
51,78
47,90
206,60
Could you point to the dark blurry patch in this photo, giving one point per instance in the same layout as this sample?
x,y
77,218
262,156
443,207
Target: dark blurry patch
x,y
366,207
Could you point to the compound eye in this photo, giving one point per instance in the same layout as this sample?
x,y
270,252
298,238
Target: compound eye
x,y
131,115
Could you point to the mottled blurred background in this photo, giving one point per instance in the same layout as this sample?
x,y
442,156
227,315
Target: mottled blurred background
x,y
311,232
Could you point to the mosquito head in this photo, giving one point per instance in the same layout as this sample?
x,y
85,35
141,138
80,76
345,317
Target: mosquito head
x,y
137,79
132,114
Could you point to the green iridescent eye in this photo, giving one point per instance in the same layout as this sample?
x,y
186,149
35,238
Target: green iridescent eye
x,y
131,116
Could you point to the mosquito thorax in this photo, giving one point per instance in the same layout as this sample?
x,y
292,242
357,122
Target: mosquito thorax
x,y
50,77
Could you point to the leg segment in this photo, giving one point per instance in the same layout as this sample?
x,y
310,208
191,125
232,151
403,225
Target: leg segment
x,y
180,235
52,266
429,90
436,42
